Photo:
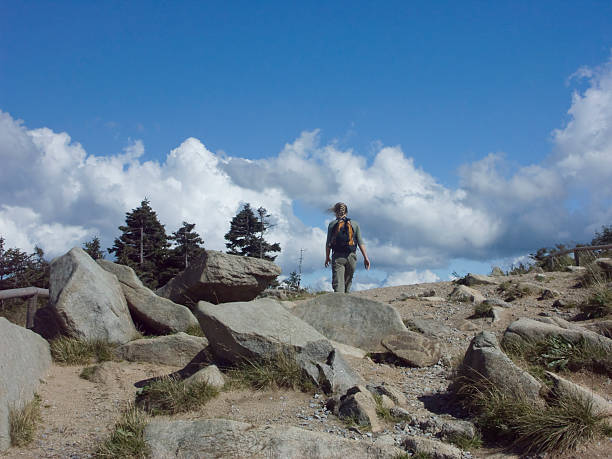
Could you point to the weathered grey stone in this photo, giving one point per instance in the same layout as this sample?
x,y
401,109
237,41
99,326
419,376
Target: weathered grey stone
x,y
430,328
485,360
393,393
537,330
564,388
603,327
604,263
24,360
106,373
540,277
457,428
413,348
263,328
210,375
87,301
497,271
225,438
220,278
548,294
496,302
347,350
466,294
433,299
399,412
434,448
156,314
358,405
352,320
478,279
175,350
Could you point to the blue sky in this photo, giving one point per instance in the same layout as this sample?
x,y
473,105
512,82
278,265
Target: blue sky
x,y
443,84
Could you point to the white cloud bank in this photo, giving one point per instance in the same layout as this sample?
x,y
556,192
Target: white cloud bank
x,y
55,195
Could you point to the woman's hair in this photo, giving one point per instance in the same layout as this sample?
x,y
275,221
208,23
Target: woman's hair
x,y
339,209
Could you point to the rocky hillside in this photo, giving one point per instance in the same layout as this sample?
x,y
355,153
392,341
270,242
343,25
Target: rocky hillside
x,y
392,372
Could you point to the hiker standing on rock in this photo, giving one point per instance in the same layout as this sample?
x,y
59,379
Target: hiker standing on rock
x,y
343,238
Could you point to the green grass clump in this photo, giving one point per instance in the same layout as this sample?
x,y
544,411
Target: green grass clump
x,y
72,351
278,370
23,422
170,395
466,442
528,427
598,305
383,412
127,438
556,353
513,291
483,310
195,330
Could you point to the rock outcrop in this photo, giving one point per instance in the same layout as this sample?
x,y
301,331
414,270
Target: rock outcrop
x,y
87,301
536,330
413,349
484,360
220,278
466,294
352,320
225,438
263,329
24,360
155,314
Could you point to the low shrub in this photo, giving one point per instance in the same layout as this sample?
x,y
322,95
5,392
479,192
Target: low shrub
x,y
384,413
72,351
170,395
23,422
598,305
483,310
127,437
279,370
513,291
87,373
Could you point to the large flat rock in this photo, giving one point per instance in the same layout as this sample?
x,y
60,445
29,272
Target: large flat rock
x,y
226,438
24,360
352,320
88,301
263,328
220,278
176,350
156,314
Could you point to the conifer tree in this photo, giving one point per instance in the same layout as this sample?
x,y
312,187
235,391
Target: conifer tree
x,y
143,244
188,246
94,248
245,236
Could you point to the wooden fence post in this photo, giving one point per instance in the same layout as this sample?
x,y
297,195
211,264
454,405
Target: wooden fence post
x,y
577,257
31,311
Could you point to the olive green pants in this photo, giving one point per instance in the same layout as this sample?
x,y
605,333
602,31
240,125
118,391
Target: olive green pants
x,y
343,269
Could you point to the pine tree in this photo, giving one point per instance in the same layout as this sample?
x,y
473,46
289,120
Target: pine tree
x,y
143,245
246,234
94,249
604,237
188,246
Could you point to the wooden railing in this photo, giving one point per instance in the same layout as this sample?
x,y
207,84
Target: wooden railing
x,y
576,251
31,294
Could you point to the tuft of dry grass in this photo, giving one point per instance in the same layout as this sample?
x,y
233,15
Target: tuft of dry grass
x,y
72,351
195,330
527,427
23,422
556,353
127,437
279,370
170,395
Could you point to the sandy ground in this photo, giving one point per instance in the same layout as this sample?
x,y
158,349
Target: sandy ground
x,y
78,414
